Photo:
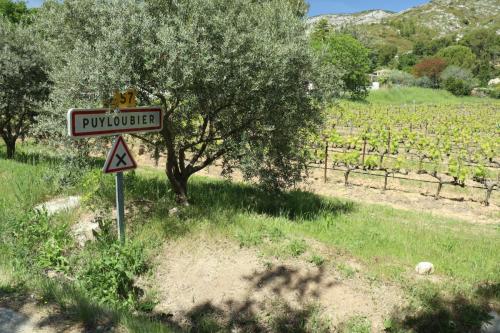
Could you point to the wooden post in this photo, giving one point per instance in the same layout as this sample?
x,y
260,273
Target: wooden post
x,y
364,153
326,162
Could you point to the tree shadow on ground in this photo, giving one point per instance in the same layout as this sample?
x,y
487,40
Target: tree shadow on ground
x,y
448,314
13,316
59,308
208,196
293,205
277,312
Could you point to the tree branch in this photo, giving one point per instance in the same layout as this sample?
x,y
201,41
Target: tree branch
x,y
143,139
208,161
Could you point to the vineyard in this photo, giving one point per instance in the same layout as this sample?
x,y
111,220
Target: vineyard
x,y
455,145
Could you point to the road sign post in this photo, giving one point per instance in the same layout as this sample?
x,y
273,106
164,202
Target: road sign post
x,y
120,207
85,123
119,159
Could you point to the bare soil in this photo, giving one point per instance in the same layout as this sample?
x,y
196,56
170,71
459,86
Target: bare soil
x,y
202,275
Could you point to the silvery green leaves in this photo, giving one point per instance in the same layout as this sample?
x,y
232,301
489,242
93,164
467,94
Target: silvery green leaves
x,y
234,77
24,82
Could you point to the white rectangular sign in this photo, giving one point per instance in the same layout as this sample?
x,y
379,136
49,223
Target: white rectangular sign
x,y
101,122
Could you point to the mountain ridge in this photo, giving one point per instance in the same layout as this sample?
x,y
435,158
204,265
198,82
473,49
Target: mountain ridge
x,y
435,19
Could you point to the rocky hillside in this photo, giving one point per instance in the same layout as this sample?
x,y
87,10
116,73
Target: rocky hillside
x,y
366,17
435,19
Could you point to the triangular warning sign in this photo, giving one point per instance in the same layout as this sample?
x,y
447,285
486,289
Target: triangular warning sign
x,y
119,157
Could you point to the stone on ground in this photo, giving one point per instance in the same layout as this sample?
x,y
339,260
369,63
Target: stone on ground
x,y
424,268
59,205
85,230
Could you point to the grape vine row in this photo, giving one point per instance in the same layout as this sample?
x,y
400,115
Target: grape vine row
x,y
456,145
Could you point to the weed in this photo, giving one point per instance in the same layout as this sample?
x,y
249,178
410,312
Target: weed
x,y
345,270
109,275
40,241
248,239
317,260
356,324
275,234
297,247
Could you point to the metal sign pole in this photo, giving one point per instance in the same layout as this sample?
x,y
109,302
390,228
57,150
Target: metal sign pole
x,y
120,207
120,203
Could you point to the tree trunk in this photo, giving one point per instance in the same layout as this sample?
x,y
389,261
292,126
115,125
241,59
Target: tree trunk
x,y
178,180
179,186
182,192
10,143
326,163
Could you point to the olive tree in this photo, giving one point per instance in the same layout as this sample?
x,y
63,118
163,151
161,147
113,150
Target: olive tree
x,y
24,82
234,78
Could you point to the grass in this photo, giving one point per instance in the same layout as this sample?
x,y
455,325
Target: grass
x,y
389,242
357,324
410,95
380,235
25,184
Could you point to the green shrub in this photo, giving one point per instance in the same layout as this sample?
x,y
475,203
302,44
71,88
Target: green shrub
x,y
40,242
401,78
458,81
108,275
457,87
98,189
424,82
494,91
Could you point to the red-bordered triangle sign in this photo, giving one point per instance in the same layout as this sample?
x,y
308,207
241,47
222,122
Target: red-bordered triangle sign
x,y
119,157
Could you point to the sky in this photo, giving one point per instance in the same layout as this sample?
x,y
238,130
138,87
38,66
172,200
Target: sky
x,y
318,7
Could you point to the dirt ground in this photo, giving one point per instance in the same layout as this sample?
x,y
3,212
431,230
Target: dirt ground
x,y
406,195
203,275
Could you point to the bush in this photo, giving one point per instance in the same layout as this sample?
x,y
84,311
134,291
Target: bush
x,y
398,78
423,82
40,242
494,91
430,67
109,276
458,81
406,61
458,55
457,87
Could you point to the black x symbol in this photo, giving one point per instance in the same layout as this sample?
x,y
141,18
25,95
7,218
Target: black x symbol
x,y
121,159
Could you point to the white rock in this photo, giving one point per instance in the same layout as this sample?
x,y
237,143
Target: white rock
x,y
85,230
58,205
424,268
173,212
